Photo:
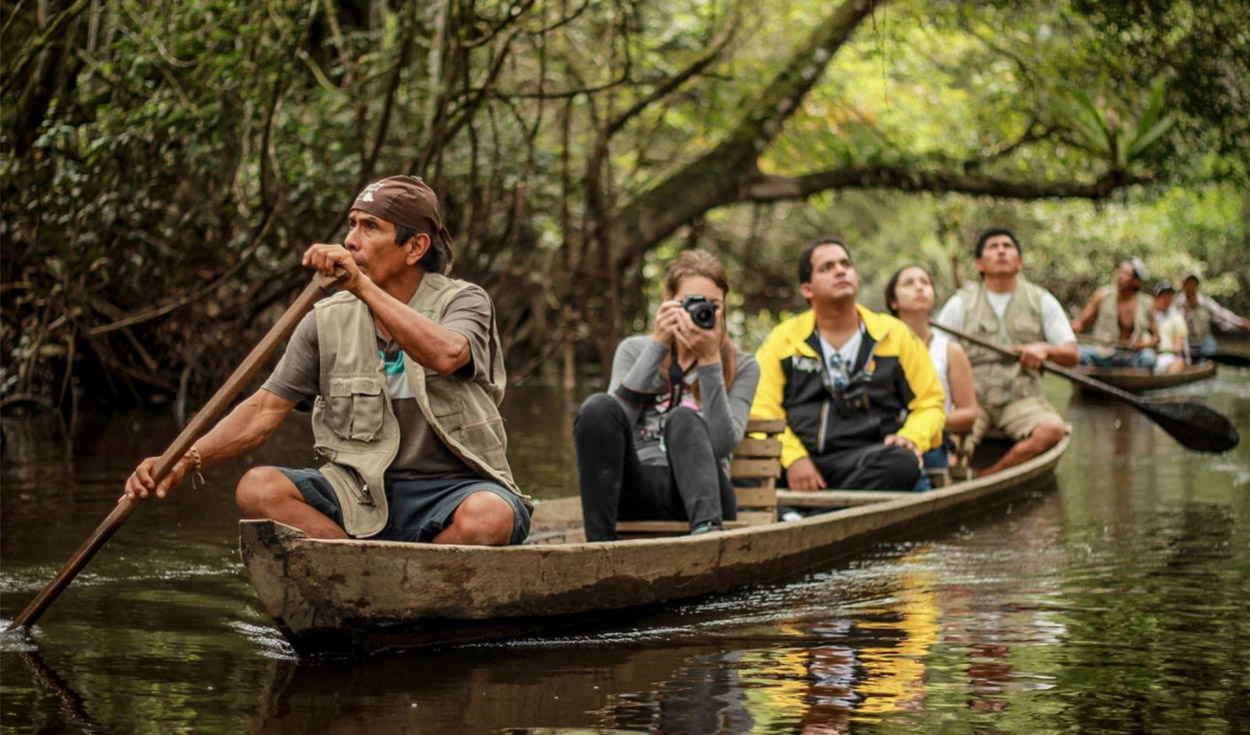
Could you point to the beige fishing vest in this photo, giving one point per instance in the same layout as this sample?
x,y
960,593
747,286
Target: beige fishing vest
x,y
999,381
354,425
1106,329
1197,319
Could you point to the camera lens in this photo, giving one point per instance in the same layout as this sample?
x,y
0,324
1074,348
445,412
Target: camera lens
x,y
702,312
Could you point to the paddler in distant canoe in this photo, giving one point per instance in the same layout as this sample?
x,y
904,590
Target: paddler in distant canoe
x,y
1121,320
1202,311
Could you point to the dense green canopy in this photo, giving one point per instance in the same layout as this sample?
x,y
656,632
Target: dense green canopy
x,y
165,163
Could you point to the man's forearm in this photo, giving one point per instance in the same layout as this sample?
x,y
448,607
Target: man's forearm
x,y
248,426
420,338
1066,355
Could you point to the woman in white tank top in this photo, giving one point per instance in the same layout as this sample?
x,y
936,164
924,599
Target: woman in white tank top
x,y
909,295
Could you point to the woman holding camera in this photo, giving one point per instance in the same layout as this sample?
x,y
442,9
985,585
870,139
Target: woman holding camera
x,y
909,295
657,444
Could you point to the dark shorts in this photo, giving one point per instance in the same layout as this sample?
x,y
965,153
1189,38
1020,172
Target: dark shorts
x,y
418,509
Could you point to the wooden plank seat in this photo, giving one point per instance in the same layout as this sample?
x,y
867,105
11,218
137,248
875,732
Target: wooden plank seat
x,y
838,498
754,469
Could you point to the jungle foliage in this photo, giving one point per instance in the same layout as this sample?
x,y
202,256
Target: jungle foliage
x,y
164,164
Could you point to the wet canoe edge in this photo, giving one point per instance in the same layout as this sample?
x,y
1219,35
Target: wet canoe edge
x,y
353,598
1138,381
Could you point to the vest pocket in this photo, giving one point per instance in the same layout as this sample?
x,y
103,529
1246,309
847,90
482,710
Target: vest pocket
x,y
1027,327
356,408
487,439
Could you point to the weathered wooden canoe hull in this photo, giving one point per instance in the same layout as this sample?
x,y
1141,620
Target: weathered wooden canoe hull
x,y
1137,380
358,596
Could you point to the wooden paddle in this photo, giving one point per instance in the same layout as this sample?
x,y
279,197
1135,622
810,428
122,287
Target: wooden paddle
x,y
1194,425
202,422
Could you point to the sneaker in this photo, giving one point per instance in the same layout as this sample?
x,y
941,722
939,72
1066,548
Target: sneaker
x,y
706,527
791,515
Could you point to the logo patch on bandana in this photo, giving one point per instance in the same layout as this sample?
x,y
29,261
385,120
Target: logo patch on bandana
x,y
367,194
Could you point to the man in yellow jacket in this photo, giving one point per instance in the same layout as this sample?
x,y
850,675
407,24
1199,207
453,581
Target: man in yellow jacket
x,y
860,396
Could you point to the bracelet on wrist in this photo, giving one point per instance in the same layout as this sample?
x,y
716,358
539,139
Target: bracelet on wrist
x,y
198,480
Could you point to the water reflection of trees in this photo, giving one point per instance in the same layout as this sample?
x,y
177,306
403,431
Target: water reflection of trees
x,y
1157,623
680,688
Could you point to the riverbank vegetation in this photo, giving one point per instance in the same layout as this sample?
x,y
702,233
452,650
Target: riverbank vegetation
x,y
164,164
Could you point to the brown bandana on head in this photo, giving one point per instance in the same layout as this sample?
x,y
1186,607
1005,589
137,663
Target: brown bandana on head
x,y
409,202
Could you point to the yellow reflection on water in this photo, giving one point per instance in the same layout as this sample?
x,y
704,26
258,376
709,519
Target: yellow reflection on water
x,y
879,669
895,674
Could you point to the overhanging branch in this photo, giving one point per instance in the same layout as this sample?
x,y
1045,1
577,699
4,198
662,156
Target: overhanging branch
x,y
784,188
712,179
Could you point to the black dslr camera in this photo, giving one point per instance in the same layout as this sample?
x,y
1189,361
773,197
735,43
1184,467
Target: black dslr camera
x,y
702,311
851,396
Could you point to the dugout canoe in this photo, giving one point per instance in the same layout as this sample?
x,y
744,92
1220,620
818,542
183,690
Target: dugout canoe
x,y
359,596
1138,380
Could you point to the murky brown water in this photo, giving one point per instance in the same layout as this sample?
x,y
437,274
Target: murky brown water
x,y
1113,602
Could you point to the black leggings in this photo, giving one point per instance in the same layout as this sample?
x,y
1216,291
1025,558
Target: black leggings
x,y
616,485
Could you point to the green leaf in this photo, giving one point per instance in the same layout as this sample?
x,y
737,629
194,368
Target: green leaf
x,y
1148,138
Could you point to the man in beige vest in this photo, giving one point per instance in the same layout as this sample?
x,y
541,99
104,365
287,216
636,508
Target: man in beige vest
x,y
1009,310
404,374
1122,322
1201,313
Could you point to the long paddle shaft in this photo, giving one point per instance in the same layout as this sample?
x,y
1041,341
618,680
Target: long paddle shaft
x,y
195,428
1194,425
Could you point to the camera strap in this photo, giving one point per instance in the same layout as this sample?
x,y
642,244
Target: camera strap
x,y
676,380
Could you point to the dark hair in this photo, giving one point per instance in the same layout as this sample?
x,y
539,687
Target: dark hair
x,y
435,258
994,232
805,260
891,287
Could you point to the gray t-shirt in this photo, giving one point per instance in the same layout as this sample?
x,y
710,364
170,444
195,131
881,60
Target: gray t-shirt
x,y
639,365
421,453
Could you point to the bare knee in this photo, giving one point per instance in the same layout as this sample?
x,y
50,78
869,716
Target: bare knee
x,y
483,519
1047,434
260,489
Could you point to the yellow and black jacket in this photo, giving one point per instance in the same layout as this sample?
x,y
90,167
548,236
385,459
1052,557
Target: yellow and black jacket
x,y
905,396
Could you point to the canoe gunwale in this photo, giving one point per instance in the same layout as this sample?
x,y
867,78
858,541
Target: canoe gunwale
x,y
1138,380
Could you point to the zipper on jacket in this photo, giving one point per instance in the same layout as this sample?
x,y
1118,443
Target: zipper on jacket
x,y
823,434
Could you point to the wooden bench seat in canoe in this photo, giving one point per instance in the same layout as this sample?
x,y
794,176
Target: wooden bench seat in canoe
x,y
756,465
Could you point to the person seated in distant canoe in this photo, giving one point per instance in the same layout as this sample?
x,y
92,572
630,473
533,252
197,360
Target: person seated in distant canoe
x,y
1201,312
657,444
1007,309
1122,319
404,374
1173,334
909,295
861,399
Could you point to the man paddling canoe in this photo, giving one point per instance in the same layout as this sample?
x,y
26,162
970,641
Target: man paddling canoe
x,y
1201,312
1006,309
404,373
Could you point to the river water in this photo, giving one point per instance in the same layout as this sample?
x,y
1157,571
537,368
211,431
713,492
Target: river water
x,y
1113,601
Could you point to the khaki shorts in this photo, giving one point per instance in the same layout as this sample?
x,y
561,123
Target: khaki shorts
x,y
1016,420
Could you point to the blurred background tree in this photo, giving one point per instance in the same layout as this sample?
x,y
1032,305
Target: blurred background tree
x,y
164,164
